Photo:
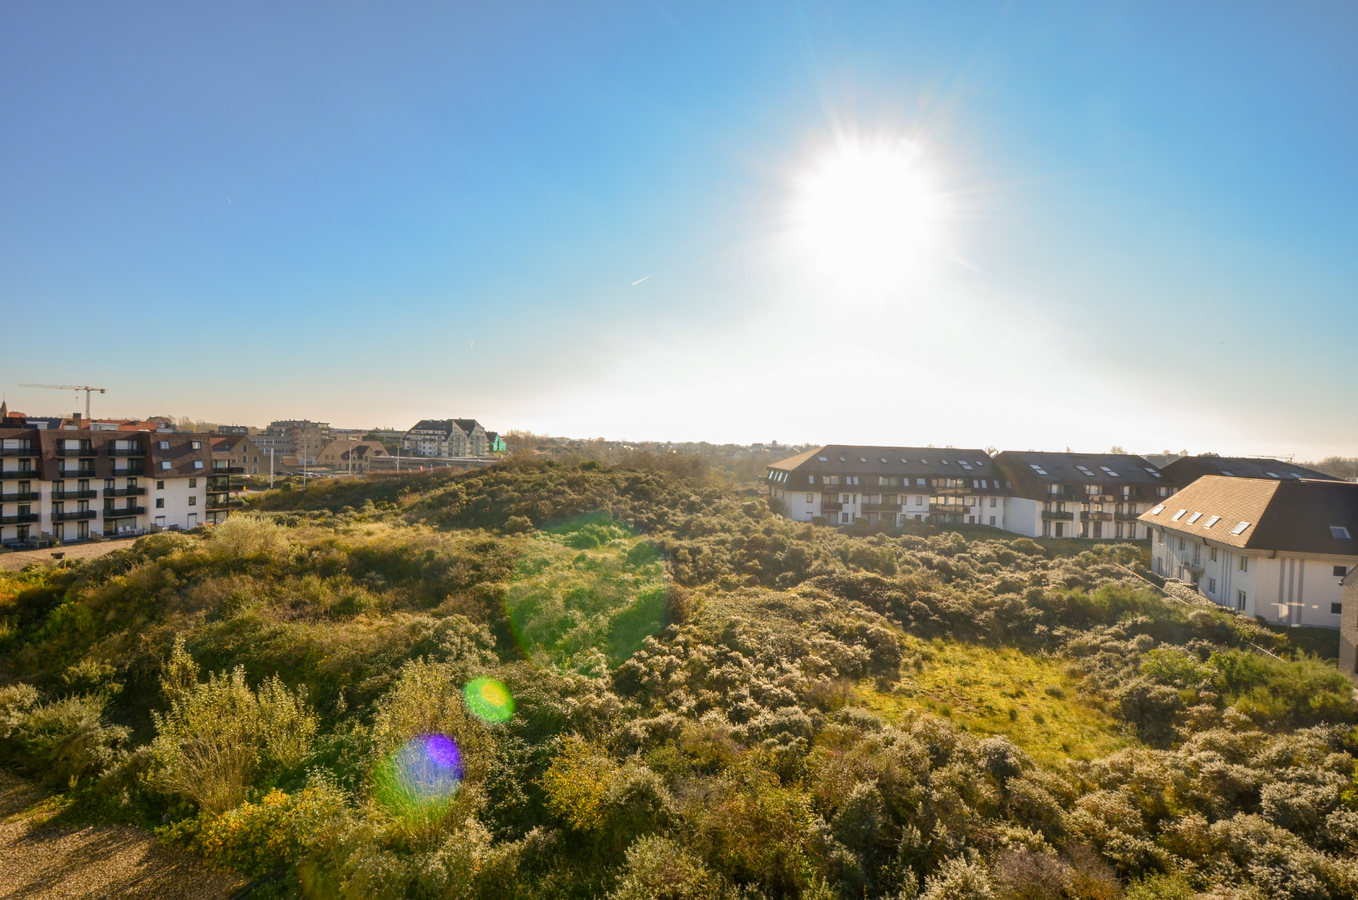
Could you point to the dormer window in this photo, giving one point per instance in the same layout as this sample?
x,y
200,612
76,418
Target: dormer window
x,y
1240,529
196,445
164,445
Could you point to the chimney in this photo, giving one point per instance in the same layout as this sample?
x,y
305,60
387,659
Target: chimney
x,y
76,416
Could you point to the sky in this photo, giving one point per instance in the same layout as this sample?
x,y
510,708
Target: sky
x,y
1022,225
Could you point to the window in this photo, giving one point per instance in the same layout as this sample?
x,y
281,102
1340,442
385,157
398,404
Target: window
x,y
1340,533
165,464
919,482
1240,600
1244,563
811,479
1212,521
992,504
160,485
1194,518
1240,529
1227,474
1212,553
193,482
1336,609
823,458
1341,571
1211,586
992,520
160,503
1178,515
193,499
196,445
1272,475
810,498
164,445
1157,510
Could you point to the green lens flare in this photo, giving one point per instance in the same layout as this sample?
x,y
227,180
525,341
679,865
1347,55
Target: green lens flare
x,y
489,700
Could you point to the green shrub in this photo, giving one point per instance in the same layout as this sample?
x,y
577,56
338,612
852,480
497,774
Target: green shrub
x,y
257,838
65,740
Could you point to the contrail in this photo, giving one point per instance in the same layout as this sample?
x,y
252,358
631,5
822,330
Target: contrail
x,y
640,280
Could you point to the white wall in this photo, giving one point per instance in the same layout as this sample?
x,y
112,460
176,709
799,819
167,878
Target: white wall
x,y
1023,516
176,494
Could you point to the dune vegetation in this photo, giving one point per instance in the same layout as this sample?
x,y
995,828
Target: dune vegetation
x,y
635,681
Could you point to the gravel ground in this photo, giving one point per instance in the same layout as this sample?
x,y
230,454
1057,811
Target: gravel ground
x,y
44,863
16,560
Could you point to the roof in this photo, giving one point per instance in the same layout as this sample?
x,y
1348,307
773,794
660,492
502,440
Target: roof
x,y
856,459
1187,469
178,451
1032,472
468,425
1282,516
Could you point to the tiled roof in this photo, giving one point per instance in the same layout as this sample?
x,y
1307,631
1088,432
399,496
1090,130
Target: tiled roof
x,y
1286,516
1187,469
855,459
1032,471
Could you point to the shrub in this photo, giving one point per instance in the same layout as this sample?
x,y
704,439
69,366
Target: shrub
x,y
657,868
65,740
256,838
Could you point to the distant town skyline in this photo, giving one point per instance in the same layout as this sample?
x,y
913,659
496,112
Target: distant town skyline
x,y
1074,224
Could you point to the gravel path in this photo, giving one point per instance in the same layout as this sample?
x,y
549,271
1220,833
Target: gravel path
x,y
42,863
15,561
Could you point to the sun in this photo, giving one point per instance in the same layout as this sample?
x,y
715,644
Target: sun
x,y
869,215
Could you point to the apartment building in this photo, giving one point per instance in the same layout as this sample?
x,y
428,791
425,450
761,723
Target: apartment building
x,y
1097,496
842,484
239,449
70,485
300,438
350,455
446,437
1271,547
1187,469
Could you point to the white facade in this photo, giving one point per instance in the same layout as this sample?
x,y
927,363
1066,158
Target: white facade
x,y
1283,589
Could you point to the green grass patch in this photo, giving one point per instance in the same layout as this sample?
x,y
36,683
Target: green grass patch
x,y
1034,701
585,586
1321,642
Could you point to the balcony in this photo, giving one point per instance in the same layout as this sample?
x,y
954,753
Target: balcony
x,y
881,507
129,472
1193,565
20,451
73,516
216,505
79,451
1126,516
126,451
228,470
1049,515
949,509
19,520
19,474
75,495
125,492
20,497
830,506
1097,516
124,512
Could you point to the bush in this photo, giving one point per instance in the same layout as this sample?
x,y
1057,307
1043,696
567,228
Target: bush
x,y
65,740
657,868
257,838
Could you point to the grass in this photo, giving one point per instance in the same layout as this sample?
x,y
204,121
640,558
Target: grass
x,y
585,586
1321,642
1032,700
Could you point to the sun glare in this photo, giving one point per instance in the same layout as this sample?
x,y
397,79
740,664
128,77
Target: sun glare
x,y
869,215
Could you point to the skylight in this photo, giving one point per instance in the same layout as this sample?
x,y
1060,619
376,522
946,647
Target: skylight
x,y
842,459
964,464
1178,515
904,461
1110,472
862,459
979,464
1340,533
1085,471
1194,518
883,460
1158,510
1240,529
1036,468
1152,471
1227,474
1212,521
1272,475
925,461
823,458
945,462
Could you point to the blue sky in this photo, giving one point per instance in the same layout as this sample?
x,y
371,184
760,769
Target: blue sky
x,y
372,213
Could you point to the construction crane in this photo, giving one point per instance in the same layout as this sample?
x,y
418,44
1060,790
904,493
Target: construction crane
x,y
71,387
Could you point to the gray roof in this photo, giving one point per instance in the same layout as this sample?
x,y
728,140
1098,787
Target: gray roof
x,y
1187,469
911,462
1032,472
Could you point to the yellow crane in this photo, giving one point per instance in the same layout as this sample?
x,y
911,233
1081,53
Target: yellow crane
x,y
72,387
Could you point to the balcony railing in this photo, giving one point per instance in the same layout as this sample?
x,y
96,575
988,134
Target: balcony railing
x,y
73,516
20,451
76,473
19,520
75,451
16,474
1051,515
1126,516
228,470
949,509
881,507
125,492
130,471
126,451
1097,516
123,512
830,506
75,495
20,497
214,505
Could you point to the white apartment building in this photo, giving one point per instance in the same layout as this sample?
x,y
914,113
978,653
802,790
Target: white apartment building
x,y
1095,496
446,437
842,484
1276,548
71,485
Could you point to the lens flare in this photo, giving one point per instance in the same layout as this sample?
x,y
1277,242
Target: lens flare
x,y
489,700
424,772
